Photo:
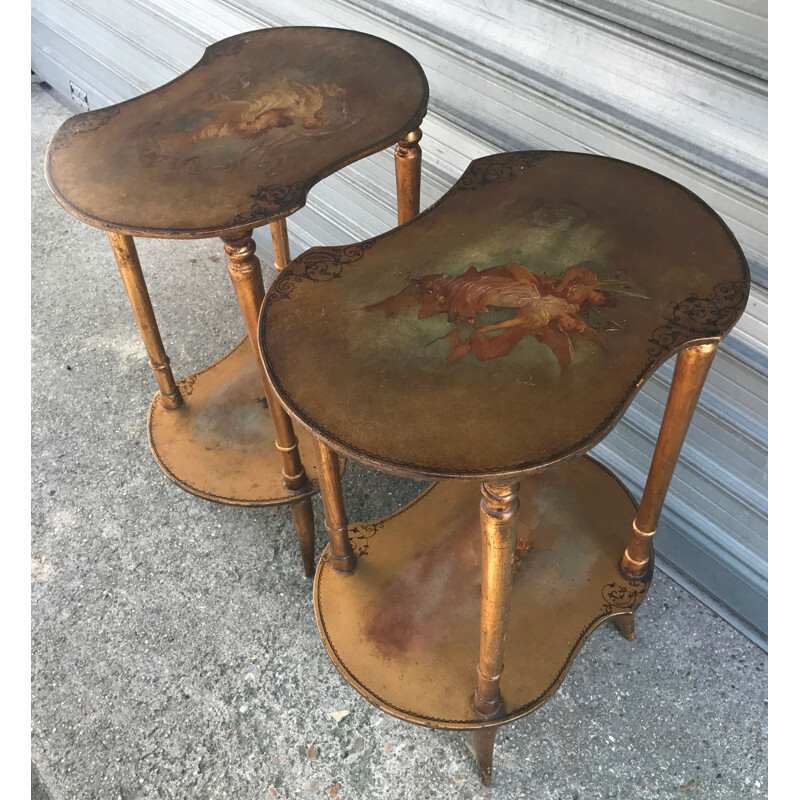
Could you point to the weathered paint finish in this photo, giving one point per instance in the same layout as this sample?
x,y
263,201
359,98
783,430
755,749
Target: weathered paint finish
x,y
408,391
404,629
221,444
239,139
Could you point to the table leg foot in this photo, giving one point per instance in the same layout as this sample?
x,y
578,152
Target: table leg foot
x,y
484,752
625,625
303,516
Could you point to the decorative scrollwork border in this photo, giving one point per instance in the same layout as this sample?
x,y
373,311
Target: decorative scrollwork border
x,y
83,123
227,47
186,385
497,169
361,534
319,265
269,200
616,598
619,596
697,316
326,264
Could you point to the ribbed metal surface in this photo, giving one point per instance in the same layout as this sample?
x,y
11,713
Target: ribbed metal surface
x,y
675,86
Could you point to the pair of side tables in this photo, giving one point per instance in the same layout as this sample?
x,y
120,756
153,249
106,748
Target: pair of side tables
x,y
485,344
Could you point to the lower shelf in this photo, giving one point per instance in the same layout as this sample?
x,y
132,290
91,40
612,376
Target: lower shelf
x,y
403,628
220,444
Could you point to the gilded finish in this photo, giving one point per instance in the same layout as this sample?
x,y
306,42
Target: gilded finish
x,y
538,272
238,140
499,509
691,369
483,740
245,271
235,142
131,271
341,555
525,309
408,171
303,518
220,445
280,243
625,625
405,628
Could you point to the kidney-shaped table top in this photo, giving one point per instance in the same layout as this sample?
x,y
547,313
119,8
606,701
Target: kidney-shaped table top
x,y
509,325
239,139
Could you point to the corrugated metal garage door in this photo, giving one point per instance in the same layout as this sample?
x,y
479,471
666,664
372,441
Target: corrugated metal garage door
x,y
674,85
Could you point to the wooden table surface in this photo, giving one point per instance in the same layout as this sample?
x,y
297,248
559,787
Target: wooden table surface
x,y
506,328
239,139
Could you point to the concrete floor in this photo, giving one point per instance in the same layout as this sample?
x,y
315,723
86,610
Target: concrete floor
x,y
175,652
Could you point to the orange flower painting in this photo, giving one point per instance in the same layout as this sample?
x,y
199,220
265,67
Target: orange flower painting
x,y
551,308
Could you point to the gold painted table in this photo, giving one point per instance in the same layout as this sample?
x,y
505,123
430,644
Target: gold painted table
x,y
493,340
234,143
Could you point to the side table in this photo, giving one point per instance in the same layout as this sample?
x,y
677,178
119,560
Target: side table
x,y
492,341
237,142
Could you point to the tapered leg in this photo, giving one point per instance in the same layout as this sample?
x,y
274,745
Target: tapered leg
x,y
691,369
245,271
625,624
280,243
484,751
131,271
499,509
330,480
408,167
303,516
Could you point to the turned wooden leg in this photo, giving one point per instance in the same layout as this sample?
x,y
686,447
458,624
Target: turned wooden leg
x,y
691,369
280,243
245,271
131,271
625,625
499,509
408,168
343,559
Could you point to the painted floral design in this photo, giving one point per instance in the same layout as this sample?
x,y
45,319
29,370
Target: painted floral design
x,y
551,308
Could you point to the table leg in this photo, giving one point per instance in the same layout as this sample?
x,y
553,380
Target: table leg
x,y
408,167
245,271
280,243
131,271
625,625
691,369
330,481
499,510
